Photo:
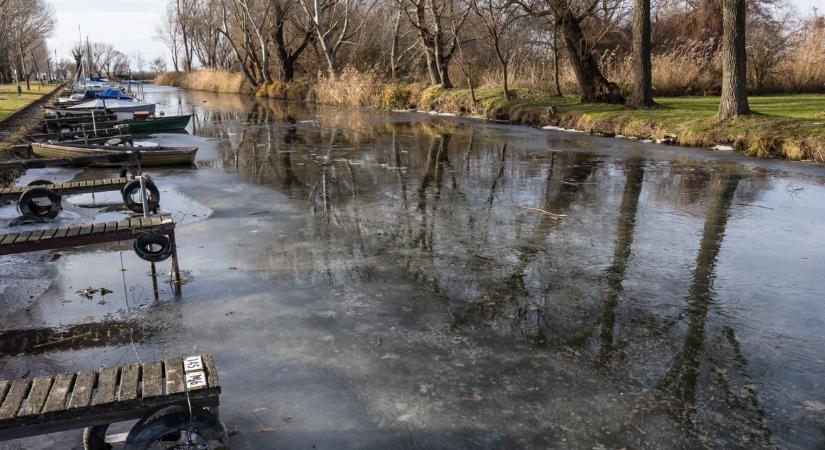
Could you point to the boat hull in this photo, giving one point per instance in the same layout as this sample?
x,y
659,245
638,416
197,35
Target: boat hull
x,y
158,124
150,157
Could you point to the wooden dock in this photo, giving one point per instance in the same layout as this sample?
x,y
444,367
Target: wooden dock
x,y
66,401
69,188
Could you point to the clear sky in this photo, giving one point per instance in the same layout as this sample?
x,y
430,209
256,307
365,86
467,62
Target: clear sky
x,y
127,25
130,24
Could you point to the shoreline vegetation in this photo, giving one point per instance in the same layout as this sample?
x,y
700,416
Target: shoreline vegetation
x,y
789,126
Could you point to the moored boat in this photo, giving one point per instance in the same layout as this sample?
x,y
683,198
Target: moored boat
x,y
163,123
124,109
149,156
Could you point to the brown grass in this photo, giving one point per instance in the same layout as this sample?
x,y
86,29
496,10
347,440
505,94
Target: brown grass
x,y
210,80
350,88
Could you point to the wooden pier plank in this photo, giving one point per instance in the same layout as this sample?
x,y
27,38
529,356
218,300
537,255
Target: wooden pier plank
x,y
22,237
82,392
65,405
83,234
152,379
85,229
106,386
4,387
129,378
174,375
211,371
37,396
59,393
73,231
61,232
11,405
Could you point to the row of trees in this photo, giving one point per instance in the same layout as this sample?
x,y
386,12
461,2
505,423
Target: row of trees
x,y
24,27
104,60
437,40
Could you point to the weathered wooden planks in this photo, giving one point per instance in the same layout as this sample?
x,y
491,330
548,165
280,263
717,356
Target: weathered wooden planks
x,y
95,233
129,380
70,187
11,404
82,392
153,379
37,396
107,381
60,392
174,375
67,401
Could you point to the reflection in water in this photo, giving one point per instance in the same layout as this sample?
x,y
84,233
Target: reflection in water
x,y
521,243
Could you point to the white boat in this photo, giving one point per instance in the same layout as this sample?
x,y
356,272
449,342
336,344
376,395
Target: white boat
x,y
125,109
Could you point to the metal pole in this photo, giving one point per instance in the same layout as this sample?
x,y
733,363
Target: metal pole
x,y
142,189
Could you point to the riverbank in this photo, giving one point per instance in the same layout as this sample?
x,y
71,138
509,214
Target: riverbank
x,y
788,126
17,114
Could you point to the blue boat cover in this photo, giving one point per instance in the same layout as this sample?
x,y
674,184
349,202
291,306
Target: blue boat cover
x,y
109,93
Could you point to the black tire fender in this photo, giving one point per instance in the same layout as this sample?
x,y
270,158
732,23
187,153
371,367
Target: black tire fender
x,y
132,189
94,438
153,247
174,419
39,183
27,205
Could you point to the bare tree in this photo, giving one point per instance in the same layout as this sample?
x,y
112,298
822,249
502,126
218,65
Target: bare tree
x,y
158,65
439,23
498,18
168,32
332,21
567,17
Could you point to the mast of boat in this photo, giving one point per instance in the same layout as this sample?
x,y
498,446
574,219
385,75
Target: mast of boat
x,y
80,63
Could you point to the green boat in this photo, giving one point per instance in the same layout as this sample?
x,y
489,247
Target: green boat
x,y
167,123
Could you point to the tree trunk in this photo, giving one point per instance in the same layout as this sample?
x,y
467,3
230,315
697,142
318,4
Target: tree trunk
x,y
287,70
435,76
556,82
641,95
734,99
593,85
444,69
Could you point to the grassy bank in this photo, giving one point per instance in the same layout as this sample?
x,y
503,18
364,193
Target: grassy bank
x,y
10,102
786,126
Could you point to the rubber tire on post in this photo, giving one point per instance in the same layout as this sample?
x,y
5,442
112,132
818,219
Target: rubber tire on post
x,y
143,250
94,438
133,187
27,206
174,419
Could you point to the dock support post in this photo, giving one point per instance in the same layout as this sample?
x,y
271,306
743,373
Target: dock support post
x,y
175,267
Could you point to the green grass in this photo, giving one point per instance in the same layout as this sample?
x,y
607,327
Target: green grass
x,y
10,102
789,126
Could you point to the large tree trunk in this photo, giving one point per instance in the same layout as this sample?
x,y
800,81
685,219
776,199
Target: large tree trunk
x,y
641,95
593,85
734,99
556,82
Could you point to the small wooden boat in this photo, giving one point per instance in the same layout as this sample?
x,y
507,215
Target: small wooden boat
x,y
167,123
149,156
